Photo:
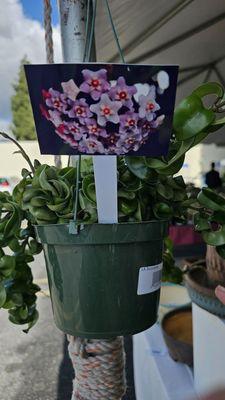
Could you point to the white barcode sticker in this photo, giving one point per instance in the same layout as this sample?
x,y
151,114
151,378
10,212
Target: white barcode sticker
x,y
149,279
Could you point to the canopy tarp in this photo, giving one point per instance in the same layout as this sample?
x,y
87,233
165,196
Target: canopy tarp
x,y
190,33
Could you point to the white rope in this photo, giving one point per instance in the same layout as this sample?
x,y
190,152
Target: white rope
x,y
48,31
49,49
99,367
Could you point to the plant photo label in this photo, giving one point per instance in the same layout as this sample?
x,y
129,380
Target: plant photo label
x,y
103,109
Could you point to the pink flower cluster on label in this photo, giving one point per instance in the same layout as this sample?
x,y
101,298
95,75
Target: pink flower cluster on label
x,y
102,116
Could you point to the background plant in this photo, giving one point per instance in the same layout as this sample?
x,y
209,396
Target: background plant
x,y
21,109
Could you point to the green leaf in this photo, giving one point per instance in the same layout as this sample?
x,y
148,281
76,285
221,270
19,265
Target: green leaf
x,y
201,222
138,212
68,174
88,187
221,251
138,167
191,117
14,245
23,312
216,125
168,244
25,173
14,316
209,88
33,321
14,222
162,211
44,214
155,163
126,194
2,294
211,200
44,180
13,300
90,212
36,164
7,265
165,191
35,247
173,168
215,238
127,207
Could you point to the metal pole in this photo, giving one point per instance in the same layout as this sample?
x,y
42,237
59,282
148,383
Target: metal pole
x,y
73,16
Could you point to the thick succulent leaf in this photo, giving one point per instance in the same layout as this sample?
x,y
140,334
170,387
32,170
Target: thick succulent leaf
x,y
139,168
209,88
2,294
211,200
88,187
215,238
191,117
162,211
201,222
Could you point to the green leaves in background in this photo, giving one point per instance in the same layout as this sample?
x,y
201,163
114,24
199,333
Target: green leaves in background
x,y
210,219
171,273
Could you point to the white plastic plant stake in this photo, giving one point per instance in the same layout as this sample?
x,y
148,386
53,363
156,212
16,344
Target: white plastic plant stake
x,y
105,171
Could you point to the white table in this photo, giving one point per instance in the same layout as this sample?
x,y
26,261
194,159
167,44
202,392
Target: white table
x,y
156,375
209,350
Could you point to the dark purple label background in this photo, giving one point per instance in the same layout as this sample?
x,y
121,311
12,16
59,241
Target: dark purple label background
x,y
51,75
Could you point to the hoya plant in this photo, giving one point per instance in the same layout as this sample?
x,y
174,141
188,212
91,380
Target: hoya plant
x,y
148,189
210,221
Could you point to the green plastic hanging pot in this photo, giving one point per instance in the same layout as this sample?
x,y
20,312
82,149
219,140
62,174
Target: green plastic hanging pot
x,y
102,280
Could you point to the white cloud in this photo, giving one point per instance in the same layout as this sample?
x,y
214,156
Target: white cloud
x,y
4,126
19,36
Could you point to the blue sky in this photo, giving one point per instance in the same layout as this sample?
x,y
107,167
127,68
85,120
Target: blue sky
x,y
25,37
34,9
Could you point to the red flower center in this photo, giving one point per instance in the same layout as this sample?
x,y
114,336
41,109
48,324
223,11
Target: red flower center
x,y
95,82
122,95
94,129
46,94
147,126
131,122
112,139
150,106
61,128
74,129
106,110
79,110
56,103
130,141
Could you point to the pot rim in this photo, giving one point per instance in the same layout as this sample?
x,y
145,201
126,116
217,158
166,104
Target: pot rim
x,y
108,224
103,234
